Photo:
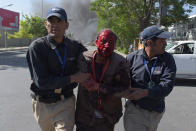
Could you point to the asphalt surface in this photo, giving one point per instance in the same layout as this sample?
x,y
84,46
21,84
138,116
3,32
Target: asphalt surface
x,y
16,109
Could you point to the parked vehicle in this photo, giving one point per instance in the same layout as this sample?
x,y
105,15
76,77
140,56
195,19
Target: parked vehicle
x,y
184,53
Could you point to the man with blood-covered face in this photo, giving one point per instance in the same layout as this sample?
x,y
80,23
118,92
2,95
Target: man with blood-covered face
x,y
99,106
106,43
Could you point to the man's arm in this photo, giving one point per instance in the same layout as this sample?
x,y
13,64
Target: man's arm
x,y
120,84
167,80
163,88
41,76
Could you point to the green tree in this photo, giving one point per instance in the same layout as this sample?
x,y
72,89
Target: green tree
x,y
176,12
30,27
129,17
118,18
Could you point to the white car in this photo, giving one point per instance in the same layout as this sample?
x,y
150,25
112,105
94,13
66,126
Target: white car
x,y
184,53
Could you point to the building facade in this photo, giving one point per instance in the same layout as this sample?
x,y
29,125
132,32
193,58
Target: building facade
x,y
184,31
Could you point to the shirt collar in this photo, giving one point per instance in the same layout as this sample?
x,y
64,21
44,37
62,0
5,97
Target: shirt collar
x,y
143,52
53,43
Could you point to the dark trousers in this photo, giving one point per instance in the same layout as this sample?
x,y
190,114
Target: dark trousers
x,y
97,125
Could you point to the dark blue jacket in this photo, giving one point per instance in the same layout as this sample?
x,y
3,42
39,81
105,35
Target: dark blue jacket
x,y
163,77
45,68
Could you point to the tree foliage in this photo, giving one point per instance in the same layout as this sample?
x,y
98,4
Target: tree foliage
x,y
116,16
30,27
129,17
176,12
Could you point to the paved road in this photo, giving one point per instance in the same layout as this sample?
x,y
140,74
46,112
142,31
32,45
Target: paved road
x,y
15,108
16,112
180,108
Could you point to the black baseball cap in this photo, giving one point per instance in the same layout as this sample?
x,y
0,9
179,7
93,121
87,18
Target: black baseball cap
x,y
154,31
58,12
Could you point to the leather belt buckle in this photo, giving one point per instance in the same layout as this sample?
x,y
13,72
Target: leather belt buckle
x,y
33,96
62,97
58,91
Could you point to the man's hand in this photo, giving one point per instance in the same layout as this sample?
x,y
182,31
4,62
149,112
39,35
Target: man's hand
x,y
80,77
137,93
91,85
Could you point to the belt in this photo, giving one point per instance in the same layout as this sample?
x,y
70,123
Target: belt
x,y
135,103
50,100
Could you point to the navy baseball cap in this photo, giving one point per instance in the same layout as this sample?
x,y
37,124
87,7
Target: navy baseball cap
x,y
58,12
154,31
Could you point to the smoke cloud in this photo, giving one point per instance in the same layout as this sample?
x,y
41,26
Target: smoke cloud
x,y
83,22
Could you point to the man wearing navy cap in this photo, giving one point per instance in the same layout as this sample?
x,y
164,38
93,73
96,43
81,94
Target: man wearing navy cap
x,y
52,62
152,72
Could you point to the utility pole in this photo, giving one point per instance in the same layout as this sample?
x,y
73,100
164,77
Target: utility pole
x,y
160,13
42,8
5,38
